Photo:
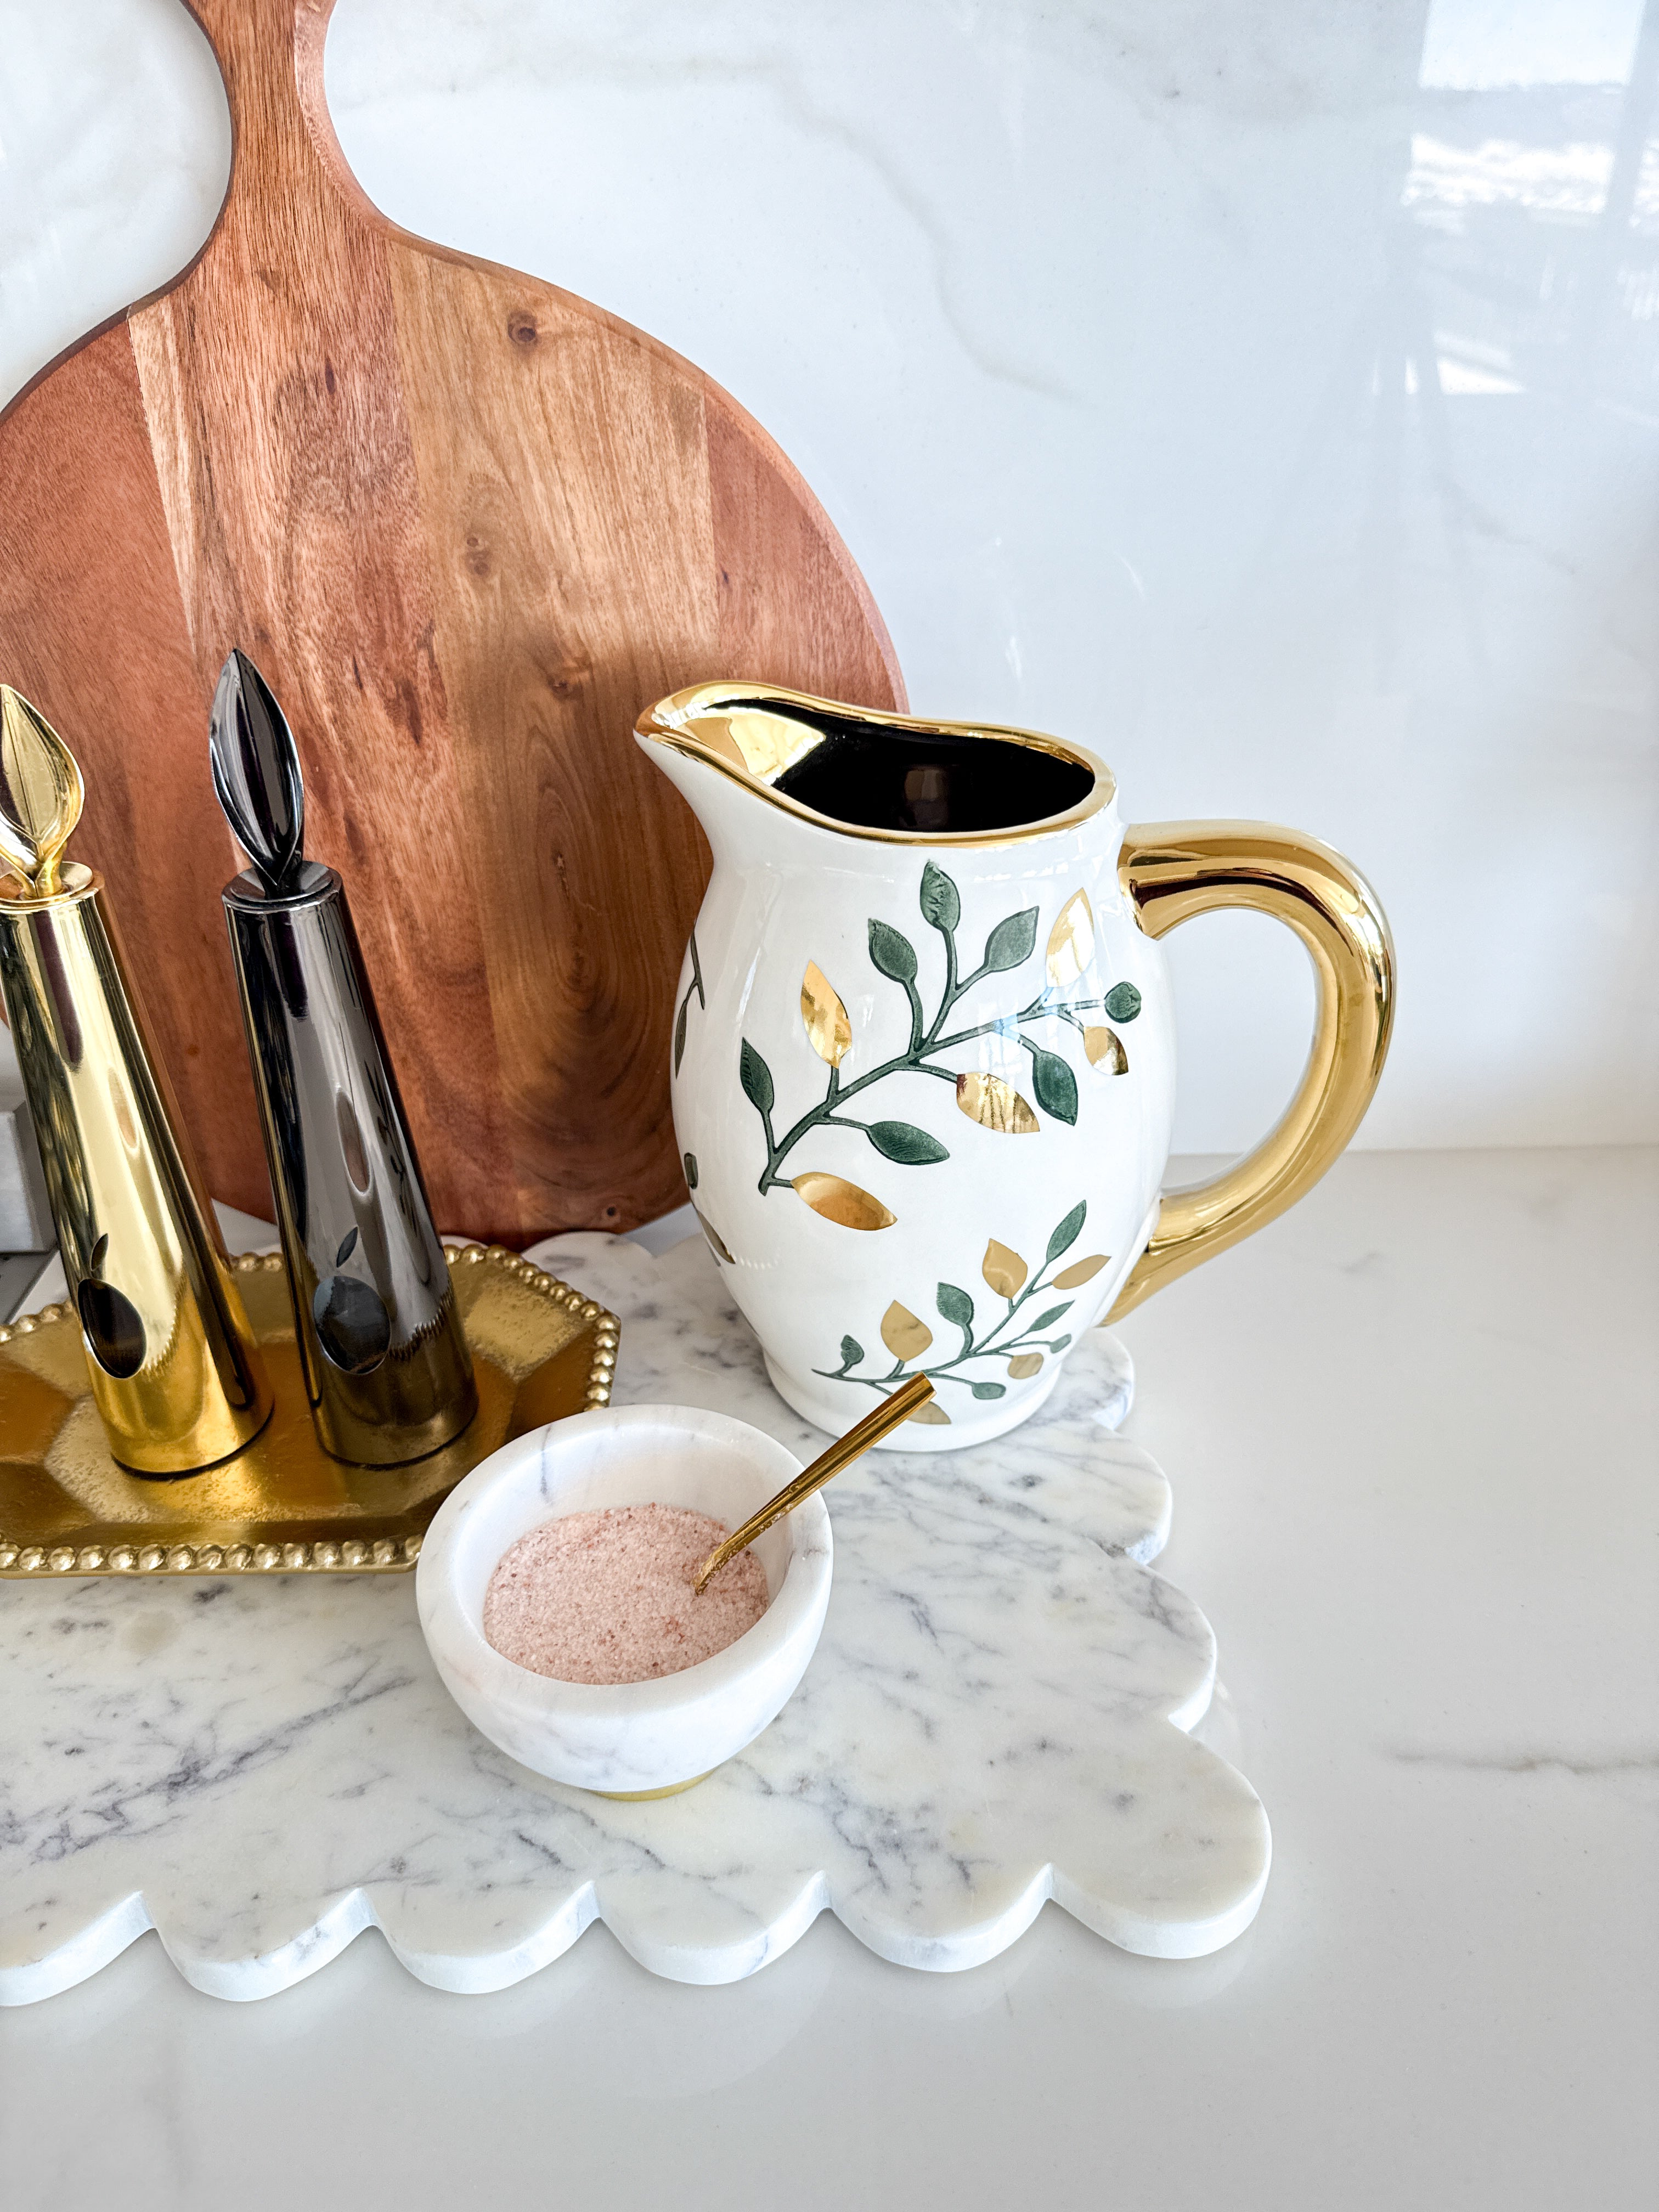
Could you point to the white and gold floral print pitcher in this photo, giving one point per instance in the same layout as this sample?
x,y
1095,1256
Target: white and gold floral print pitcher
x,y
923,1052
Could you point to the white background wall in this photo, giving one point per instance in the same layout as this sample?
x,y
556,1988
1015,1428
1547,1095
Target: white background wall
x,y
1267,395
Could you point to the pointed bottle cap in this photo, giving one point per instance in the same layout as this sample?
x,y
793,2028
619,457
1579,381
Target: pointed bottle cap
x,y
41,795
256,773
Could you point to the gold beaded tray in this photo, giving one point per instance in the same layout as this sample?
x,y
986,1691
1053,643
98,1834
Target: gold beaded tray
x,y
540,1350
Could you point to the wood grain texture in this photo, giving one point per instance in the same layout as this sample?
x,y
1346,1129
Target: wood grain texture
x,y
470,527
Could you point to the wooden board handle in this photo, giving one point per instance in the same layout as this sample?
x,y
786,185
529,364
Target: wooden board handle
x,y
269,54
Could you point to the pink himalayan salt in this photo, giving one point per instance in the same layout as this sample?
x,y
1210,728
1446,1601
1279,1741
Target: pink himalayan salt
x,y
607,1597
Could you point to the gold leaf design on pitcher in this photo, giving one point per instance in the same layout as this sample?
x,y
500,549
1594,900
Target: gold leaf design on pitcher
x,y
1038,1027
933,1415
1105,1051
717,1243
905,1336
1020,1335
1005,1271
827,1029
842,1201
996,1105
1071,941
1082,1271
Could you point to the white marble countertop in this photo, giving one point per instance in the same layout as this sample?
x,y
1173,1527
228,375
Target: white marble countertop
x,y
1410,1433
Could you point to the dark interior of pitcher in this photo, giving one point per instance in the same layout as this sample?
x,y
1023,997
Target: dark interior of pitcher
x,y
875,777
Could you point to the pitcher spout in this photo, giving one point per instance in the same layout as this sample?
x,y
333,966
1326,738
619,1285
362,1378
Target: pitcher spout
x,y
743,754
694,738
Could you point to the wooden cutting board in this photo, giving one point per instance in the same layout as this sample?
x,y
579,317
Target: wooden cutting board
x,y
469,526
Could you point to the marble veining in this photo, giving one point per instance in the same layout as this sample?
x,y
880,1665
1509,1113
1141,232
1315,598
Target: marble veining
x,y
260,1770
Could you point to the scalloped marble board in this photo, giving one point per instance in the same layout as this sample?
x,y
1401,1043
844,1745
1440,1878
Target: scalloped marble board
x,y
998,1713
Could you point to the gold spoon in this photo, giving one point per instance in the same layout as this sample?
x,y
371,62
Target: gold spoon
x,y
857,1441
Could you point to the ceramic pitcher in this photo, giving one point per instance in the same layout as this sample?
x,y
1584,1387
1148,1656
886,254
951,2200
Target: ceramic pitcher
x,y
923,1058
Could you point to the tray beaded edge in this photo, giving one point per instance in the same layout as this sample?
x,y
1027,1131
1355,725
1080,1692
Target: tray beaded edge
x,y
351,1556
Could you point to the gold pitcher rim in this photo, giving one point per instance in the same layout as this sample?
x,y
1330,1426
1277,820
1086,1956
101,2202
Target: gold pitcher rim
x,y
671,722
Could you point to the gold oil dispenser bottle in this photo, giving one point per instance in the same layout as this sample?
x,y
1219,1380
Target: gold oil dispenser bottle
x,y
175,1376
385,1359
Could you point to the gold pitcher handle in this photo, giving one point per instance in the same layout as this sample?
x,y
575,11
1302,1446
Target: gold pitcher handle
x,y
1174,869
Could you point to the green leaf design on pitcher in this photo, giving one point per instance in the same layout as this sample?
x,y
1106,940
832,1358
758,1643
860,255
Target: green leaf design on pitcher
x,y
1054,1085
986,1098
756,1078
904,1142
680,1018
941,901
892,953
1009,945
1066,1235
1010,1336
